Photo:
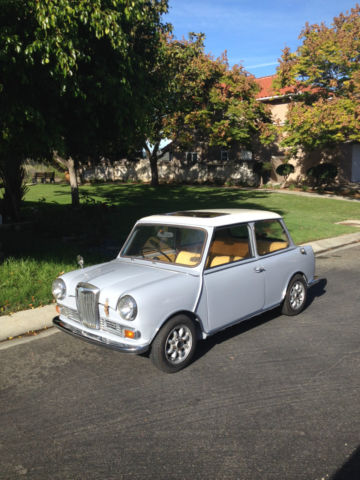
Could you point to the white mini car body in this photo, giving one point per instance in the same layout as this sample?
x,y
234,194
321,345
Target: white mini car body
x,y
183,276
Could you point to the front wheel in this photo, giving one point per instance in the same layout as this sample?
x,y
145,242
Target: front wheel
x,y
296,295
174,345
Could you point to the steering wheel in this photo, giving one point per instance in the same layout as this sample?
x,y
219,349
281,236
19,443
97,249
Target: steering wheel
x,y
157,249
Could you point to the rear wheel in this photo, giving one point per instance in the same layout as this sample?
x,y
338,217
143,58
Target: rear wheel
x,y
296,295
174,345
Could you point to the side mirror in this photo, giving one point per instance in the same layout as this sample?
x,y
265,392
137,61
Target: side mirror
x,y
80,261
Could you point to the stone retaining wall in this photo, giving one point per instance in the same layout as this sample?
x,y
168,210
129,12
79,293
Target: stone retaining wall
x,y
174,171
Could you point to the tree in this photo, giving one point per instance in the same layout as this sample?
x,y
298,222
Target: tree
x,y
222,108
24,131
170,94
204,102
325,75
84,69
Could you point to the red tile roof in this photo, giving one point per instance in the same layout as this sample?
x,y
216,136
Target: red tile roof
x,y
267,90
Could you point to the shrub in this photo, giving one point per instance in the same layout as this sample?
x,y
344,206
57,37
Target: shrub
x,y
263,170
285,169
322,174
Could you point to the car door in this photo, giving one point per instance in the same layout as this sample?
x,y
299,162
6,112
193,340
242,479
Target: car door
x,y
278,258
233,284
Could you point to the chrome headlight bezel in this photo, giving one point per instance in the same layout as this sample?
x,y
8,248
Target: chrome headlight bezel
x,y
59,289
127,307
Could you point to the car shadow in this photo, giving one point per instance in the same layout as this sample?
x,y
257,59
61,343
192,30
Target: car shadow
x,y
204,347
317,290
350,470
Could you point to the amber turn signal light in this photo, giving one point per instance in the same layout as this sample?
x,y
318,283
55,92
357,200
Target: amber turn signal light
x,y
129,334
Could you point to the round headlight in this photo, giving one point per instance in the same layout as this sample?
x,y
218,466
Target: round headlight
x,y
127,308
59,289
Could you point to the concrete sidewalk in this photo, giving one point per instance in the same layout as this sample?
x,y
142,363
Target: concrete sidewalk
x,y
40,318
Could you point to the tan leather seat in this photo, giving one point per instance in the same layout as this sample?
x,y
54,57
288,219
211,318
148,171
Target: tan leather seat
x,y
267,246
187,258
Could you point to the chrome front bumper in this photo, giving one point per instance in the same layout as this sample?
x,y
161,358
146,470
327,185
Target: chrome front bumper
x,y
98,339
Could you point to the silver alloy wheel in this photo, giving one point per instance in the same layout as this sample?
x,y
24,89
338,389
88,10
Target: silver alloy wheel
x,y
178,344
297,295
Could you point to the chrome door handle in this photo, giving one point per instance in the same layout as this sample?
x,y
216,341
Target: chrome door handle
x,y
259,269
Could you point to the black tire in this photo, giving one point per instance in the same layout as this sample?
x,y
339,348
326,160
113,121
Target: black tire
x,y
174,345
296,295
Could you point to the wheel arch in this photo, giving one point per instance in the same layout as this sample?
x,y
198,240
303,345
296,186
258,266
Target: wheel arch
x,y
197,322
299,272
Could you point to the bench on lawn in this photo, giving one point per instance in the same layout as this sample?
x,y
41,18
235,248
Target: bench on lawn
x,y
44,176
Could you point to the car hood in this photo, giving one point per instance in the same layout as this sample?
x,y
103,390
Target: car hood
x,y
117,278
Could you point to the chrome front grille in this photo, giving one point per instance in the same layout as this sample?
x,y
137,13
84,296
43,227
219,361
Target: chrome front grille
x,y
87,302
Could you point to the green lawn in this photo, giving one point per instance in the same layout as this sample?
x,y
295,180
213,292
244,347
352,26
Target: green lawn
x,y
50,244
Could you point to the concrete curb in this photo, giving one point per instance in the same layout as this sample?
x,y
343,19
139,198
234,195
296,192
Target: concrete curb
x,y
326,244
39,318
26,321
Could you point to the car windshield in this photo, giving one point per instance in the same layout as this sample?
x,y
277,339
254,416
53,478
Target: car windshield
x,y
166,243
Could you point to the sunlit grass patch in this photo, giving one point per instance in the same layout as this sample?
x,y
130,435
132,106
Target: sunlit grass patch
x,y
24,283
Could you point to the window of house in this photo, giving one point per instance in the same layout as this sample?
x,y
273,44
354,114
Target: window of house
x,y
228,245
191,157
224,155
270,236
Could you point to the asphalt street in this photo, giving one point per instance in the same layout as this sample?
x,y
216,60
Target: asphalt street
x,y
273,398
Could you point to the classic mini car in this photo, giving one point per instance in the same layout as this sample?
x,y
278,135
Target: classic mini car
x,y
183,276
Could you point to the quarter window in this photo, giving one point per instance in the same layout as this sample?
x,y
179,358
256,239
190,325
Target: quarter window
x,y
270,237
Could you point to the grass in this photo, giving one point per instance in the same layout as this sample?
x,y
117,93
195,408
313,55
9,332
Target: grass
x,y
49,245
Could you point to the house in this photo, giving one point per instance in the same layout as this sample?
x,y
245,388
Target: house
x,y
234,166
345,156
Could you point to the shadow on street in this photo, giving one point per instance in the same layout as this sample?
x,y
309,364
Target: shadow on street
x,y
351,469
204,347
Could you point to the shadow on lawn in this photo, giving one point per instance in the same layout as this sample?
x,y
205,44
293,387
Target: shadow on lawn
x,y
98,228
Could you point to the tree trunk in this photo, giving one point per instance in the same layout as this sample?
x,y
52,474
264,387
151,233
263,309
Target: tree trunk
x,y
153,158
70,166
154,171
75,202
12,174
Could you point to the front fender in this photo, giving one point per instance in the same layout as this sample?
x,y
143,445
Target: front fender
x,y
162,300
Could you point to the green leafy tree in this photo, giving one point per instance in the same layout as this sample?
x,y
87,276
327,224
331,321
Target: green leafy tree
x,y
325,75
200,101
221,107
170,94
75,79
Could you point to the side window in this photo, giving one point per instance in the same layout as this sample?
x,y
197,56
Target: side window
x,y
270,237
229,244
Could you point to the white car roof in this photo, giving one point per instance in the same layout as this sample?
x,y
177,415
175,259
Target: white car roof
x,y
211,217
